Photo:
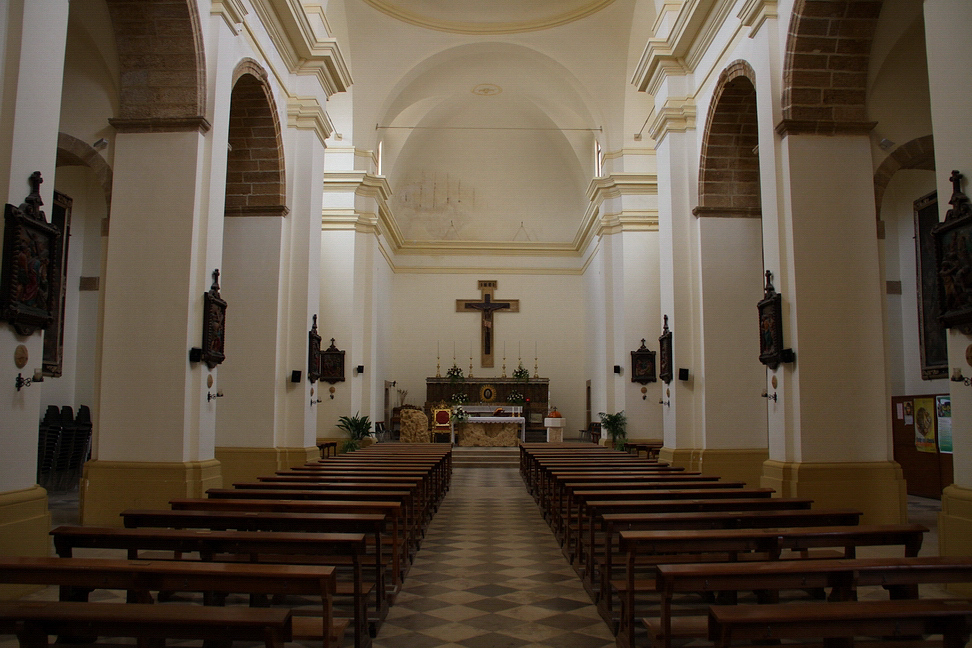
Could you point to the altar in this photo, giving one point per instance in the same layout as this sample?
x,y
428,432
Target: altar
x,y
487,431
524,400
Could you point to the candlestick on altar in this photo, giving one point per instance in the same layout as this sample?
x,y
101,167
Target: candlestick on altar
x,y
536,366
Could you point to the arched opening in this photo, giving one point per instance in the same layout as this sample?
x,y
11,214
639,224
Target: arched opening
x,y
731,271
252,280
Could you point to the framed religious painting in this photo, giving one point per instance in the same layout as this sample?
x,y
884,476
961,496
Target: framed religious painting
x,y
643,365
953,260
931,333
332,364
313,353
27,278
770,325
665,354
214,325
54,333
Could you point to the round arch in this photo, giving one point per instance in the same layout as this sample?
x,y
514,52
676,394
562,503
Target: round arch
x,y
163,68
255,166
729,165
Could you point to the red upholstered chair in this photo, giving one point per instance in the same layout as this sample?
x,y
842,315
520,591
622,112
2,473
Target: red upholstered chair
x,y
440,418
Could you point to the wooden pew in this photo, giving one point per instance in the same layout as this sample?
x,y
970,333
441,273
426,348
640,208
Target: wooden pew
x,y
33,621
411,527
577,500
650,548
952,618
900,576
598,573
233,546
78,576
393,510
372,524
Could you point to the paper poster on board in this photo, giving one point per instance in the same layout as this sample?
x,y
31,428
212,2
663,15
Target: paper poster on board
x,y
925,425
943,412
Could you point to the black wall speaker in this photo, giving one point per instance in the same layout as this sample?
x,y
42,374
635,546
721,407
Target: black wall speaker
x,y
295,376
617,369
683,373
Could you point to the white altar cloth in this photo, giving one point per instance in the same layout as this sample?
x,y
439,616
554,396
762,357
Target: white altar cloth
x,y
492,419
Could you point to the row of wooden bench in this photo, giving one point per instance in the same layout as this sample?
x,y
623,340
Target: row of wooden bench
x,y
362,515
642,535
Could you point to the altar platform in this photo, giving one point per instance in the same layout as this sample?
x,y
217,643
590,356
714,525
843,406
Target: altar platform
x,y
488,431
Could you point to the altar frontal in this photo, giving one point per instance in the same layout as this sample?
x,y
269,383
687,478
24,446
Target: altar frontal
x,y
489,430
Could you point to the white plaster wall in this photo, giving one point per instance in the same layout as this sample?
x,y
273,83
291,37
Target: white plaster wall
x,y
553,317
641,315
731,377
250,284
75,386
335,321
897,211
595,344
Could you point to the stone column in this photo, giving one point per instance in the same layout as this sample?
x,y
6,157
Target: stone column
x,y
836,443
949,61
32,40
156,434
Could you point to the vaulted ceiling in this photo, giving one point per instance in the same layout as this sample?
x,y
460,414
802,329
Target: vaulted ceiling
x,y
487,112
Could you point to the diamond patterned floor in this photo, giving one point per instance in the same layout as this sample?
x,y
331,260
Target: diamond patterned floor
x,y
490,574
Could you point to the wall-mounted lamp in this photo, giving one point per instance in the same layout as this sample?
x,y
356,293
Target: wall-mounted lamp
x,y
959,378
666,403
767,396
20,381
102,143
359,369
314,401
210,396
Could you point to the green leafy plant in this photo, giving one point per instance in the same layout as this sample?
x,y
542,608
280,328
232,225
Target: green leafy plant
x,y
357,427
516,398
617,426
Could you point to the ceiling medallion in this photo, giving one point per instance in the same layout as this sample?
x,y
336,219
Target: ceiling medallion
x,y
487,89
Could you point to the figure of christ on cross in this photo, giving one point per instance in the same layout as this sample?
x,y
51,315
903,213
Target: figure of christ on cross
x,y
486,306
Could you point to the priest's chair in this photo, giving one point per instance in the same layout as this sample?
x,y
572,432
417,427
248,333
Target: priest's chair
x,y
441,428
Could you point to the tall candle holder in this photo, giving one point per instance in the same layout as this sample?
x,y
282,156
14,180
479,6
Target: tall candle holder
x,y
536,368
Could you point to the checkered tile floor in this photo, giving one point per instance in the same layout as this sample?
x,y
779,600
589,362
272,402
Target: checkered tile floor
x,y
490,574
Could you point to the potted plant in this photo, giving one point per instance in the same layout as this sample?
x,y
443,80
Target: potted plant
x,y
615,425
357,427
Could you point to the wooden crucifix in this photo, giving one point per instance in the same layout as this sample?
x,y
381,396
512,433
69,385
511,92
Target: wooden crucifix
x,y
486,306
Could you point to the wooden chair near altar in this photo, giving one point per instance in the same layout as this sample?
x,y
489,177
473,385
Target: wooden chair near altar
x,y
441,423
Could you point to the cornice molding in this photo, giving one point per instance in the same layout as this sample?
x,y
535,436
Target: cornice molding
x,y
308,113
598,224
231,11
676,116
788,127
756,12
667,55
303,51
160,124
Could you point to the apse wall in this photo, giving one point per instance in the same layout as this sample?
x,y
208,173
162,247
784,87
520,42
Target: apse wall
x,y
552,319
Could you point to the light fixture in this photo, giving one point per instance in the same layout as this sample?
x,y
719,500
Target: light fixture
x,y
100,144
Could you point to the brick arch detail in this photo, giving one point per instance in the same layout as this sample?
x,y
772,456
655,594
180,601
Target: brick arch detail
x,y
255,168
825,66
163,68
74,152
729,165
919,153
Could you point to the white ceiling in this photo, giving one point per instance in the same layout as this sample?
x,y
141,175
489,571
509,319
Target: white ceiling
x,y
487,131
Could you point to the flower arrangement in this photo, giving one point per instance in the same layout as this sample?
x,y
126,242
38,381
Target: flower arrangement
x,y
455,374
516,398
459,397
459,415
521,373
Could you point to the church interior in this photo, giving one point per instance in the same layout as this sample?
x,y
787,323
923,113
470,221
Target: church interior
x,y
723,218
